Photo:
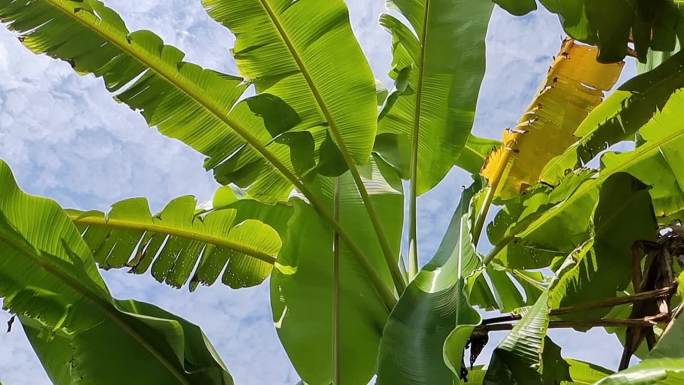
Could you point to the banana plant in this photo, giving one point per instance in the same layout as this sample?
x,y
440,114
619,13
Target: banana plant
x,y
317,165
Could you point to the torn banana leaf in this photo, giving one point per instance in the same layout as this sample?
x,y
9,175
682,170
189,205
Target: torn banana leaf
x,y
574,86
179,244
620,116
251,142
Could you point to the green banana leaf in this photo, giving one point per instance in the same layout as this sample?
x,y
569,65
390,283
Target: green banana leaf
x,y
81,334
601,268
526,355
305,53
174,240
244,144
519,214
620,116
302,284
610,24
582,373
424,338
437,72
503,293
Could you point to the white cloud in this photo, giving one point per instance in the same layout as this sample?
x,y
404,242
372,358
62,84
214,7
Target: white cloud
x,y
65,138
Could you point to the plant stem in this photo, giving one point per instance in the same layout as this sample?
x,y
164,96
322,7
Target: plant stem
x,y
610,302
497,249
336,292
577,324
415,138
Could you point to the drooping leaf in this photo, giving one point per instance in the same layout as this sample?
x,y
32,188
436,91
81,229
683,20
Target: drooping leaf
x,y
620,116
527,355
573,87
602,267
302,283
173,241
663,366
497,288
306,54
612,24
427,119
584,373
249,144
49,279
424,338
537,252
102,356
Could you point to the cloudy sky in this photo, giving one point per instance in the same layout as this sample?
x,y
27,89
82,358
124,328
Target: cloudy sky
x,y
65,138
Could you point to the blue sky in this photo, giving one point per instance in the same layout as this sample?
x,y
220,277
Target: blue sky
x,y
65,138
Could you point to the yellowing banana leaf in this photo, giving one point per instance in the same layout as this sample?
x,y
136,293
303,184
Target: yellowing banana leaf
x,y
573,88
620,116
48,278
656,162
179,244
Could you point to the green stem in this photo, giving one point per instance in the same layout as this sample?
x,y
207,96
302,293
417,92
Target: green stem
x,y
390,258
415,138
577,324
336,292
217,109
497,249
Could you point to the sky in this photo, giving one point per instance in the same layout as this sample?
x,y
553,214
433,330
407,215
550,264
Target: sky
x,y
65,138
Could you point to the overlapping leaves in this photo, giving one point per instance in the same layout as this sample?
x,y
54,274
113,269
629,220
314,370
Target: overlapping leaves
x,y
612,24
424,338
244,144
302,285
49,279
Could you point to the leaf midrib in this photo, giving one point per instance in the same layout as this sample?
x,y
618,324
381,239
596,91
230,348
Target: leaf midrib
x,y
95,299
339,140
415,137
176,232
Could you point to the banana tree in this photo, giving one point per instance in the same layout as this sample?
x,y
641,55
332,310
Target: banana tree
x,y
314,165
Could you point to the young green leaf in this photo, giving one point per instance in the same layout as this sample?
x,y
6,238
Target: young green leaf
x,y
424,338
